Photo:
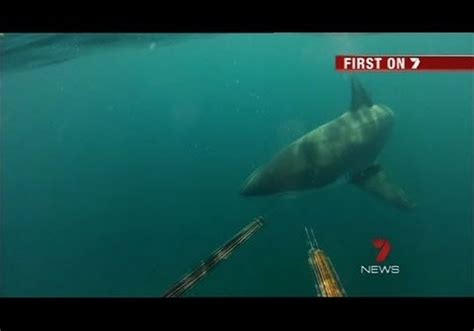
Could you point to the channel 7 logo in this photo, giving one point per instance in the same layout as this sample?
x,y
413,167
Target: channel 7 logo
x,y
384,248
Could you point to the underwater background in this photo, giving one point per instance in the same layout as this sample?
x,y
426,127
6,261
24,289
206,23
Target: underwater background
x,y
122,156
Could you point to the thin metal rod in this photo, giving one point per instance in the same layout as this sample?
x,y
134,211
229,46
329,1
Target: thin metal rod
x,y
315,240
309,238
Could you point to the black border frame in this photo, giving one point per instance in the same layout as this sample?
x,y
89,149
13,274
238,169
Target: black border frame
x,y
45,313
364,313
238,17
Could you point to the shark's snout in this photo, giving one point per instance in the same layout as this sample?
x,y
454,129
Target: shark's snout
x,y
247,189
244,191
251,185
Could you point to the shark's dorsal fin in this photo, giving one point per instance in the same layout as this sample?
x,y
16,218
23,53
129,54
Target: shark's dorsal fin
x,y
360,97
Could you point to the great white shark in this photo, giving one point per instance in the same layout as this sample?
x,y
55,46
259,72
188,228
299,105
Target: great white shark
x,y
345,148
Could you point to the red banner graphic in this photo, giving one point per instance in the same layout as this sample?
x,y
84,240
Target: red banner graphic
x,y
404,63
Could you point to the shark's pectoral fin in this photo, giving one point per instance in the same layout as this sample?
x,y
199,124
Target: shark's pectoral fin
x,y
375,180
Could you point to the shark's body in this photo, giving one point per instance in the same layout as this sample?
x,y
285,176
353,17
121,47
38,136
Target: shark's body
x,y
346,147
